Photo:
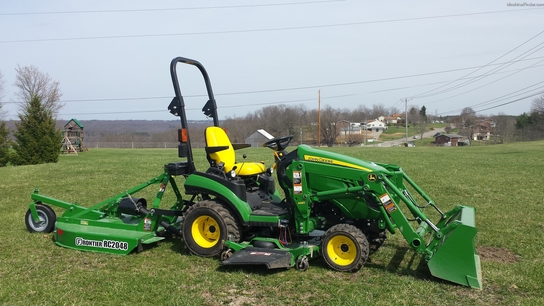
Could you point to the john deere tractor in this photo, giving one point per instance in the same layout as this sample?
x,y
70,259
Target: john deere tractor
x,y
334,206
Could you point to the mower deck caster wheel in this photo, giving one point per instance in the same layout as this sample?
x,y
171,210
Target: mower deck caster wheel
x,y
226,254
302,263
47,219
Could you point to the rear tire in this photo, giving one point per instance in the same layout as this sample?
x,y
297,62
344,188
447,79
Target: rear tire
x,y
47,219
345,248
206,225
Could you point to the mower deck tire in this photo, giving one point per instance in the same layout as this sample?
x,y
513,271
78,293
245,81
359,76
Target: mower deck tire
x,y
47,219
206,225
345,248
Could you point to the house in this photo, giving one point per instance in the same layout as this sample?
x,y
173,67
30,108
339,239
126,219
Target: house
x,y
376,126
348,128
258,138
481,132
448,140
390,120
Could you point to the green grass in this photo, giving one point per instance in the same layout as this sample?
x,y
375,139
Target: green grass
x,y
503,182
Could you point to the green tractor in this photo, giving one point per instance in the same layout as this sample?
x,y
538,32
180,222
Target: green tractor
x,y
334,206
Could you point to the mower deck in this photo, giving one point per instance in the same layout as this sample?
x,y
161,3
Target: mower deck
x,y
104,235
271,258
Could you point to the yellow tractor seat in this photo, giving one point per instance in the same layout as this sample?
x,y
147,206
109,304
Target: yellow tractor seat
x,y
220,150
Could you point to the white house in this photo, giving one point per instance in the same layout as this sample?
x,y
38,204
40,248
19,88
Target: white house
x,y
390,120
376,126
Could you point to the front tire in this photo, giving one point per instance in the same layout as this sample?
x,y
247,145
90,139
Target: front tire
x,y
206,225
345,248
47,219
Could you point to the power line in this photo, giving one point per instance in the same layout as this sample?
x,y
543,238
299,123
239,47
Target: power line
x,y
493,71
426,94
293,88
486,84
503,104
167,9
261,30
492,107
220,107
441,82
507,96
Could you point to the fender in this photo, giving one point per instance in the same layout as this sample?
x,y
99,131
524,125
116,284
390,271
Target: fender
x,y
232,193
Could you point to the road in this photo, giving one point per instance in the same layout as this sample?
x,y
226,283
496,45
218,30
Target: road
x,y
398,142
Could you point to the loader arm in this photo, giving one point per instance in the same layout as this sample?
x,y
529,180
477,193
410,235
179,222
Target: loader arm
x,y
447,245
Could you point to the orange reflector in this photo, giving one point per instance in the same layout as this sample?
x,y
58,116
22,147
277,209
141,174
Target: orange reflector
x,y
182,136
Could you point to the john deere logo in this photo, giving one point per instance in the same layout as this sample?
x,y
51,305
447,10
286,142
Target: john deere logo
x,y
372,177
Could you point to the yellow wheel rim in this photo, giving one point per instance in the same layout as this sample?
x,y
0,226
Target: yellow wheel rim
x,y
205,231
341,250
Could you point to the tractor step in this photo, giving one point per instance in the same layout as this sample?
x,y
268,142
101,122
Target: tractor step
x,y
270,209
271,258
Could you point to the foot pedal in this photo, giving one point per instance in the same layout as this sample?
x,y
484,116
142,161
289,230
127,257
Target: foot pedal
x,y
271,258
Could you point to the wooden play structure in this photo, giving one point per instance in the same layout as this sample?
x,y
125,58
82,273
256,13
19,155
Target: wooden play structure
x,y
72,137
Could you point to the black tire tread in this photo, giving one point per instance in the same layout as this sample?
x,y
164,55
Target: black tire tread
x,y
362,242
231,224
51,218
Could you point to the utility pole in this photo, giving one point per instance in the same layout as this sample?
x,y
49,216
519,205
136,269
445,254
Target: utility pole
x,y
364,142
319,118
406,119
406,116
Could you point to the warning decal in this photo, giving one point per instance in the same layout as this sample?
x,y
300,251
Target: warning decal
x,y
387,203
297,182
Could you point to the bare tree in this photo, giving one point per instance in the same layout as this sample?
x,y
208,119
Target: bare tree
x,y
537,118
34,83
238,128
504,127
329,119
468,115
394,110
413,114
377,111
537,106
421,121
271,119
468,119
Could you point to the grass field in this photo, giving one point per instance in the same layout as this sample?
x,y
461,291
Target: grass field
x,y
504,183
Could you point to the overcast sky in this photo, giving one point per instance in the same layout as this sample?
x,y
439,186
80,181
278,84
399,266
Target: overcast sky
x,y
112,58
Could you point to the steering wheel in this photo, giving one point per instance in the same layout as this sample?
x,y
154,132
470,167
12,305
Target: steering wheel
x,y
279,144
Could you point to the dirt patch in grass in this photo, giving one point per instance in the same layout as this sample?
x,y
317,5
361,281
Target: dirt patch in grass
x,y
496,254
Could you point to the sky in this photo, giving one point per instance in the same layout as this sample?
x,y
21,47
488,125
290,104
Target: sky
x,y
112,58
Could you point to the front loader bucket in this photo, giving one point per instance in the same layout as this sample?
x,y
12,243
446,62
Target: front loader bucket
x,y
454,256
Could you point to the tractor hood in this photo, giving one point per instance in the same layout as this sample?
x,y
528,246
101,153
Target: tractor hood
x,y
321,156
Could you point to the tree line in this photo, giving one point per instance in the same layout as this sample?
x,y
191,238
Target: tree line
x,y
303,123
36,138
531,126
